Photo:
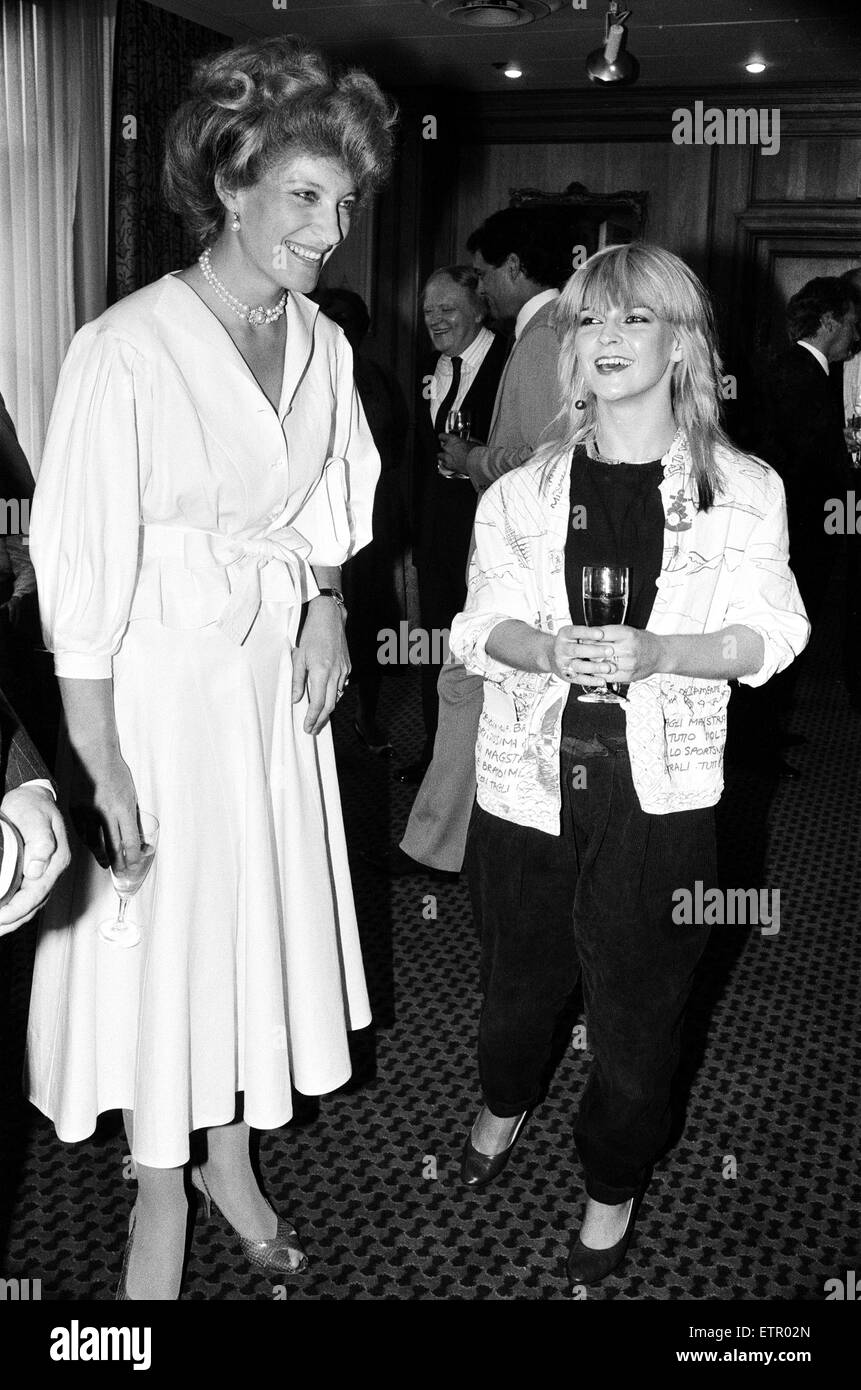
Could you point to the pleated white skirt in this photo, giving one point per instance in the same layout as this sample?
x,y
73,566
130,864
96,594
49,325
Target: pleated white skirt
x,y
249,972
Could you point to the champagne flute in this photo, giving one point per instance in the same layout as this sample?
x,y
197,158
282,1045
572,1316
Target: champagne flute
x,y
605,603
127,879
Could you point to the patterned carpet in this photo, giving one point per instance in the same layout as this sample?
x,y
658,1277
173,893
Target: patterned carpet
x,y
370,1174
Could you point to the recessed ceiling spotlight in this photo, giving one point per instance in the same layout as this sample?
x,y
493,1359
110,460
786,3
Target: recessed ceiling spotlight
x,y
755,65
512,70
494,14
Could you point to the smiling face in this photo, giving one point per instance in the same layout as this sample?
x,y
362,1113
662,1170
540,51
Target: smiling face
x,y
625,354
293,218
452,317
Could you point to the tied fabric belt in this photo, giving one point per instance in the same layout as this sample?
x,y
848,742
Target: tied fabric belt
x,y
270,565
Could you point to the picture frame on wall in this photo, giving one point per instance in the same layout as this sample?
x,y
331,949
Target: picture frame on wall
x,y
594,220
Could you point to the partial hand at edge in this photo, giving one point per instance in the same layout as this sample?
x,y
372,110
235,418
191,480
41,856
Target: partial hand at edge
x,y
46,852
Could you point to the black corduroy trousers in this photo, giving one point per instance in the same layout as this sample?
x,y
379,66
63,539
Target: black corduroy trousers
x,y
596,899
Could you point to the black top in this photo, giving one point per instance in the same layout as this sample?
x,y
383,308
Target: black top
x,y
620,522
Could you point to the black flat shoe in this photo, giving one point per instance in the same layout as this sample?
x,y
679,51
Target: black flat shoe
x,y
478,1169
589,1266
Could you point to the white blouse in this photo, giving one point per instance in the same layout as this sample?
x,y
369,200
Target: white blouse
x,y
171,489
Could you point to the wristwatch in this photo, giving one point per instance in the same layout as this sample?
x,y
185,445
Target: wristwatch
x,y
336,595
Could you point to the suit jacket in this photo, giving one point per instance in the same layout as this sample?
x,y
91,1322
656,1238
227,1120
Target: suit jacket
x,y
19,761
527,400
440,503
16,480
800,433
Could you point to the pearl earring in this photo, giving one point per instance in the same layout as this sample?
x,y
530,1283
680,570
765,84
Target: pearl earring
x,y
235,224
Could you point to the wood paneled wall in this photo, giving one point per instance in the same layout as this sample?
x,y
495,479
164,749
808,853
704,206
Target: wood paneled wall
x,y
754,225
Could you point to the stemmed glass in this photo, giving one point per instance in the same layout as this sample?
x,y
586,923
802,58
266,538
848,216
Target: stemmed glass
x,y
605,603
127,879
459,422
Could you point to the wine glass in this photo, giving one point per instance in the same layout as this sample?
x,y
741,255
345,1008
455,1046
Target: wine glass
x,y
127,879
459,422
605,602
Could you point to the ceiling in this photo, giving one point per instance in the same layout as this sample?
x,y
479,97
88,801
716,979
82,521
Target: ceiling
x,y
679,43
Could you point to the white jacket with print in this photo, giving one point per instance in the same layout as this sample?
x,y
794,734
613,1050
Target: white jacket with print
x,y
725,566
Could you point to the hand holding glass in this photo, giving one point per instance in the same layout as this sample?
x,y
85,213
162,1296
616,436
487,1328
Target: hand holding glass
x,y
128,876
605,603
459,422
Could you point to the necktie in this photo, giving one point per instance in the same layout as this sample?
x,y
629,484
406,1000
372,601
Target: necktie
x,y
450,396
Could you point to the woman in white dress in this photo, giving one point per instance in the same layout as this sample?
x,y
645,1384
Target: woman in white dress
x,y
208,468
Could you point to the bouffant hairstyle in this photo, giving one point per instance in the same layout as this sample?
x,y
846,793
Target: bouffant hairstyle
x,y
257,104
825,295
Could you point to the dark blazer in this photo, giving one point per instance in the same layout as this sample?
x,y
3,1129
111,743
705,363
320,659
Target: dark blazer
x,y
19,761
16,480
441,503
800,434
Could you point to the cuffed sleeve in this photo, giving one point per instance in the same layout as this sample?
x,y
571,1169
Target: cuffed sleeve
x,y
85,527
765,596
497,593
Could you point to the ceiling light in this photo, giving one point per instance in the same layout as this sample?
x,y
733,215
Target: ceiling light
x,y
613,63
494,14
755,65
511,70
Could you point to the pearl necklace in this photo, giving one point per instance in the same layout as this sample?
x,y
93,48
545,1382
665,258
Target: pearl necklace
x,y
256,317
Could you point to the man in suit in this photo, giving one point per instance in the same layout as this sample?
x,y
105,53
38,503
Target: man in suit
x,y
799,431
801,426
850,375
522,258
462,374
29,803
850,391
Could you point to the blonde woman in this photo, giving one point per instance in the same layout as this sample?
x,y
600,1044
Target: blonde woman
x,y
591,816
208,469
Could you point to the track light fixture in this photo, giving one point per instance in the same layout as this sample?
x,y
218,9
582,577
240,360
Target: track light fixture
x,y
613,63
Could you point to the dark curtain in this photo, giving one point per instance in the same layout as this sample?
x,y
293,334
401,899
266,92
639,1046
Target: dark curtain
x,y
153,57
